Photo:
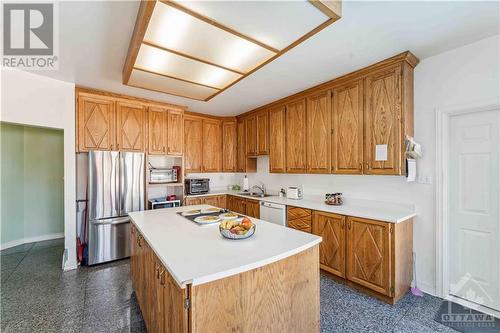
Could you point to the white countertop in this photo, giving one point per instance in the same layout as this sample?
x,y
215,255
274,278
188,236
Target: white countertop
x,y
370,209
195,254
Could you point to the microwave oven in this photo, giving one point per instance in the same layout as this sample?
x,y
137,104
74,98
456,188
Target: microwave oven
x,y
158,176
197,185
163,203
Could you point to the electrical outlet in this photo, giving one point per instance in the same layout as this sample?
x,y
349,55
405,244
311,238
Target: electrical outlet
x,y
424,179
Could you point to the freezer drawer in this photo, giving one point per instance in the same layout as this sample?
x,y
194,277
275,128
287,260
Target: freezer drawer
x,y
109,239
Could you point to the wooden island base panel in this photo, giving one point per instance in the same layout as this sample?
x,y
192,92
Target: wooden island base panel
x,y
189,278
279,297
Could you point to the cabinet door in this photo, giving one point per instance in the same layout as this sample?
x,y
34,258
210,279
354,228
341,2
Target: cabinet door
x,y
295,137
221,201
175,132
96,123
193,201
193,145
241,146
239,205
263,133
157,281
383,123
347,137
229,146
133,256
319,132
211,200
299,218
175,314
251,135
157,130
253,208
212,145
131,125
277,140
369,254
331,227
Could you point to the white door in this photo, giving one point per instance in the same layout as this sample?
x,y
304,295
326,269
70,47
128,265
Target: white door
x,y
474,184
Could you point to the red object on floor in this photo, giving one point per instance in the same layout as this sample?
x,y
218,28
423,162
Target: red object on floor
x,y
79,250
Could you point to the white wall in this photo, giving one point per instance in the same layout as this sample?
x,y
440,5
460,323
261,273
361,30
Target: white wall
x,y
35,100
467,75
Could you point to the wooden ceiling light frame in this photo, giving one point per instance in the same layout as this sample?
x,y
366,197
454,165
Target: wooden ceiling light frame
x,y
332,9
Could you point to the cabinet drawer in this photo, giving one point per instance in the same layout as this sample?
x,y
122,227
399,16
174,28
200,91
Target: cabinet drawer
x,y
296,212
302,224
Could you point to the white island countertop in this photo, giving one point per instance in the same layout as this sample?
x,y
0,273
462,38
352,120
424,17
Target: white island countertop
x,y
369,209
195,254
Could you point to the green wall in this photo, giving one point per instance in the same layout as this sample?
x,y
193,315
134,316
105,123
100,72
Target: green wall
x,y
32,171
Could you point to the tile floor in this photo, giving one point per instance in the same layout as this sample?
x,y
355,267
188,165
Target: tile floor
x,y
36,296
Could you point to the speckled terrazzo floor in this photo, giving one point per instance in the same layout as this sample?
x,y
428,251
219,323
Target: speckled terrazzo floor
x,y
36,296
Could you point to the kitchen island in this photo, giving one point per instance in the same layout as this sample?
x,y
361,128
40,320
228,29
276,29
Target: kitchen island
x,y
188,278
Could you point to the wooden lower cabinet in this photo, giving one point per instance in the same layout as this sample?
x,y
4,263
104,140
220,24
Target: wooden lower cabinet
x,y
231,304
331,227
253,208
213,200
193,201
160,298
373,256
369,254
299,218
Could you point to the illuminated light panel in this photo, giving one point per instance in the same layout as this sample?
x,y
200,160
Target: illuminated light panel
x,y
170,64
198,49
167,85
173,29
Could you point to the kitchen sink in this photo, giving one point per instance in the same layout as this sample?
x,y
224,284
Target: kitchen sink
x,y
255,195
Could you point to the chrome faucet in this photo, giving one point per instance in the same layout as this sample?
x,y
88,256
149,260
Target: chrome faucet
x,y
262,188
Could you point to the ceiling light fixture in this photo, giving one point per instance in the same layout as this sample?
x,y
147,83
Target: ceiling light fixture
x,y
197,49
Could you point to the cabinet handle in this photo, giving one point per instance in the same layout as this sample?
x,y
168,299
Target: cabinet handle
x,y
162,276
367,165
117,146
157,269
163,149
349,225
111,146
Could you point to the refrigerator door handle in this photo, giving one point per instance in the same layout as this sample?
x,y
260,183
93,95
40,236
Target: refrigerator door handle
x,y
115,220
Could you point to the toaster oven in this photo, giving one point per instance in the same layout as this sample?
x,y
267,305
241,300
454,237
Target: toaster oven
x,y
197,185
158,176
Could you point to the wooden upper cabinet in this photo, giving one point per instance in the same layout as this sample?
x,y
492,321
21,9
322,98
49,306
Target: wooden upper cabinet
x,y
277,140
251,135
347,137
240,146
295,137
369,254
383,122
131,126
331,227
175,132
263,133
157,130
319,127
96,123
193,143
229,142
212,145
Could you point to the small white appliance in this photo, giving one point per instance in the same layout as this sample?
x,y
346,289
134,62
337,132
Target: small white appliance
x,y
272,212
294,192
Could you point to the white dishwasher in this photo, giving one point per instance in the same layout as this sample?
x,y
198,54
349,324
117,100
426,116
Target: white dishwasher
x,y
272,212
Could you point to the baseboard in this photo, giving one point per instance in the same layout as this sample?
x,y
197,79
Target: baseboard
x,y
474,306
31,240
426,288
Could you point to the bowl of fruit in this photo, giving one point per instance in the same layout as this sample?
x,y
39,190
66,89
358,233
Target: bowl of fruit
x,y
237,229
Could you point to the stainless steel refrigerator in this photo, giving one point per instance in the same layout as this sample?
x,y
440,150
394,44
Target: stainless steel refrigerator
x,y
115,188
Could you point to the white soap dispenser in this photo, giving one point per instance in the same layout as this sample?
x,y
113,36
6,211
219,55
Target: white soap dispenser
x,y
245,183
